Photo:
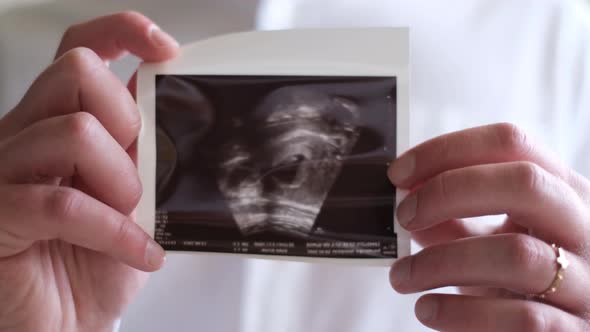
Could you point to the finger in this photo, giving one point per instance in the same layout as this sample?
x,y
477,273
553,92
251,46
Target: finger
x,y
115,35
496,143
455,229
30,213
517,262
533,198
457,313
78,82
74,145
446,231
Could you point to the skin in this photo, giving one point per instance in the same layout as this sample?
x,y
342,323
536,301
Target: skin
x,y
71,256
492,170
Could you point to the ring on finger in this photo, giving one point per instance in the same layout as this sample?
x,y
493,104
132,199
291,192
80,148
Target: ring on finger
x,y
562,264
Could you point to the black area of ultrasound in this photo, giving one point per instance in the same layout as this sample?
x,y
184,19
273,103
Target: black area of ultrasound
x,y
359,205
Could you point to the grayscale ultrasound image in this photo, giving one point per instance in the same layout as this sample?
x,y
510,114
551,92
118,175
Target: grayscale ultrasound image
x,y
276,165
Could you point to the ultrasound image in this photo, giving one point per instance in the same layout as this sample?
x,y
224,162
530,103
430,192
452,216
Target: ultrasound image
x,y
278,165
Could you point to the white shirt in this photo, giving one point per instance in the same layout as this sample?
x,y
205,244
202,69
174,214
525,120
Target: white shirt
x,y
473,62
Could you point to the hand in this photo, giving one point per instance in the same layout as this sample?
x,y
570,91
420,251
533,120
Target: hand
x,y
69,249
494,170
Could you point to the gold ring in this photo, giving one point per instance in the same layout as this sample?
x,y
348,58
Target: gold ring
x,y
562,263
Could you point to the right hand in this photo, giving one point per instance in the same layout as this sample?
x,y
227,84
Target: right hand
x,y
70,252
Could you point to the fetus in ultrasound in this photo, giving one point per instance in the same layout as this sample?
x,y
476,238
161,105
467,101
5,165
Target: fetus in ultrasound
x,y
280,161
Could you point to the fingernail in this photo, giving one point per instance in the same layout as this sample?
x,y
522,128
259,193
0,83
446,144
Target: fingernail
x,y
400,271
402,168
154,254
406,211
160,38
426,309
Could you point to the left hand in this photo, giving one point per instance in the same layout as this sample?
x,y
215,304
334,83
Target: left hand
x,y
494,170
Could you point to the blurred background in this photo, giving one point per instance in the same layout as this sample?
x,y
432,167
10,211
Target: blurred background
x,y
474,62
39,25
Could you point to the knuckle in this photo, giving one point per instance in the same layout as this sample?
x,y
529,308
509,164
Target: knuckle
x,y
444,184
81,62
528,176
532,319
134,123
123,234
81,125
525,253
444,147
62,203
512,139
135,191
